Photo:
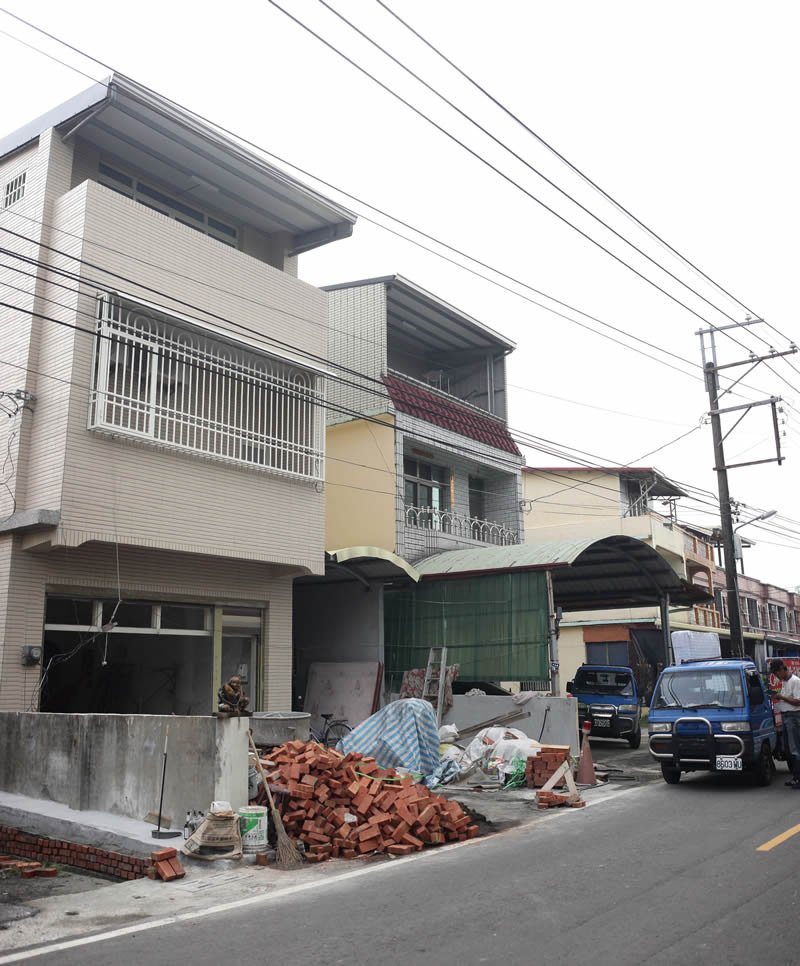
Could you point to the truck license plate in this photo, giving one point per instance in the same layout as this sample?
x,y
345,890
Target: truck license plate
x,y
728,763
602,722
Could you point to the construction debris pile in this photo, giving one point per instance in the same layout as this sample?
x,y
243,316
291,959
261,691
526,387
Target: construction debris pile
x,y
347,805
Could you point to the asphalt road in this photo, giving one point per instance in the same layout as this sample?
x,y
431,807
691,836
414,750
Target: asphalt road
x,y
657,874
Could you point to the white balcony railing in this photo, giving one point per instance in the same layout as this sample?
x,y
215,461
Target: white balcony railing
x,y
459,525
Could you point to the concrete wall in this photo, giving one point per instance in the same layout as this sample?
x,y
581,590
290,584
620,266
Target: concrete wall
x,y
113,763
553,721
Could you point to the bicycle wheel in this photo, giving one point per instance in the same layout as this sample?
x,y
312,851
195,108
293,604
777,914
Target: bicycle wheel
x,y
336,731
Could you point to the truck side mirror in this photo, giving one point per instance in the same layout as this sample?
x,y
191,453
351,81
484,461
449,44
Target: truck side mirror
x,y
570,686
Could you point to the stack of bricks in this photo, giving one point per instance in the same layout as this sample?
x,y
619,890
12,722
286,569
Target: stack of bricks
x,y
165,865
346,806
57,851
539,770
554,800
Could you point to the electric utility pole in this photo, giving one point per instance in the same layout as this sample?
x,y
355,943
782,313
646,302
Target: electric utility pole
x,y
712,370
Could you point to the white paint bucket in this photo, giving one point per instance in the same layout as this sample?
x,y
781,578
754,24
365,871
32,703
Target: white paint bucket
x,y
253,824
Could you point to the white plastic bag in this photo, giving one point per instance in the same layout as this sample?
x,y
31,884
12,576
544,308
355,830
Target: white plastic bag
x,y
448,734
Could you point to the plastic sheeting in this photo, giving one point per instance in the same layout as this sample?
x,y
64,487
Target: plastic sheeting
x,y
401,735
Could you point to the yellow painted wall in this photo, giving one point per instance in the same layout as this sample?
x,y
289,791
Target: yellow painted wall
x,y
571,496
571,653
360,485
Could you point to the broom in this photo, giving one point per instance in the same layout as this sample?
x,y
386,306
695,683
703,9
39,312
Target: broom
x,y
286,854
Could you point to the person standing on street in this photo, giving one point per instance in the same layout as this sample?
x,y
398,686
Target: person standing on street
x,y
788,703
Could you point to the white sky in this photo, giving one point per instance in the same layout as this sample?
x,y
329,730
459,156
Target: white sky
x,y
684,112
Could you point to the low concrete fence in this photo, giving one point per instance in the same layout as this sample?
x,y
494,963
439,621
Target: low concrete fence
x,y
112,762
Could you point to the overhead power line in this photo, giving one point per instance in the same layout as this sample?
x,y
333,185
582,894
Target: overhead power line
x,y
423,234
593,184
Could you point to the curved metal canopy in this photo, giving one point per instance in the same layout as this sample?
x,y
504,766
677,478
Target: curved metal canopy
x,y
364,564
587,574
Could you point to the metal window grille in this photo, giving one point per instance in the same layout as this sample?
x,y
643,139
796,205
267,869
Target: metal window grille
x,y
178,388
14,190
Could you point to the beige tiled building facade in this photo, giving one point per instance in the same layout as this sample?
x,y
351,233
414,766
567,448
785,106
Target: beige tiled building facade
x,y
161,373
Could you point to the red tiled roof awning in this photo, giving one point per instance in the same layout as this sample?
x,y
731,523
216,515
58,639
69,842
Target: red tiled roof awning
x,y
433,407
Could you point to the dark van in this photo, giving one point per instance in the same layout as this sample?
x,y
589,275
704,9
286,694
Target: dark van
x,y
609,701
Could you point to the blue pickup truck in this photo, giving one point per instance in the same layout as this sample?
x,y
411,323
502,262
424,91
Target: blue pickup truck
x,y
608,699
712,715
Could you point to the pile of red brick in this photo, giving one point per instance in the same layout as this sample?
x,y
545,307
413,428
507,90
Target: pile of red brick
x,y
44,850
165,865
554,800
539,770
28,870
346,806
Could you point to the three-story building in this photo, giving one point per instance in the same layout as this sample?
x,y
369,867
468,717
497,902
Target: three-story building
x,y
162,367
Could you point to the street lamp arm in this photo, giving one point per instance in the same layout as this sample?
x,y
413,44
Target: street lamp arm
x,y
763,516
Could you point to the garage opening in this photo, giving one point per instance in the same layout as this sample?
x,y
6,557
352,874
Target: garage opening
x,y
141,657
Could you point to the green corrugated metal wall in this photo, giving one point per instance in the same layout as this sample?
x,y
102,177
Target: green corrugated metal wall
x,y
495,627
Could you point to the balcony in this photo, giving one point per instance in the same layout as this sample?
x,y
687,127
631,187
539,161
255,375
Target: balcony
x,y
461,526
706,616
698,549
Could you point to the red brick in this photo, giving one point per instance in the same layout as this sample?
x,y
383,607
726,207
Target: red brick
x,y
163,854
165,870
396,849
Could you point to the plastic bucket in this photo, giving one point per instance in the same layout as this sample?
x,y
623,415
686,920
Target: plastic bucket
x,y
253,824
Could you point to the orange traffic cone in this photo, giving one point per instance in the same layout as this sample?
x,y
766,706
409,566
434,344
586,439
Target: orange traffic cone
x,y
586,773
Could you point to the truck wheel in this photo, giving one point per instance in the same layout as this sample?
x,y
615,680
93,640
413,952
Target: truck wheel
x,y
635,739
764,768
670,773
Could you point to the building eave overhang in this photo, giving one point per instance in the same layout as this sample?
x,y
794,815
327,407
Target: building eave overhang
x,y
125,120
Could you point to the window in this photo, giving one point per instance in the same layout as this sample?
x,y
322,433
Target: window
x,y
721,600
168,205
175,386
427,488
755,691
14,190
699,688
749,611
477,497
777,618
634,495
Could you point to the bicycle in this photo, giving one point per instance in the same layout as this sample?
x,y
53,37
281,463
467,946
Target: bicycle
x,y
332,731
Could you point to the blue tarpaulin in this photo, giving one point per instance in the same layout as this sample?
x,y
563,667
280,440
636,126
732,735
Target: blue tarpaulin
x,y
401,735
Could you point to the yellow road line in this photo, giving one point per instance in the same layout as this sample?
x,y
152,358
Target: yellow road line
x,y
779,839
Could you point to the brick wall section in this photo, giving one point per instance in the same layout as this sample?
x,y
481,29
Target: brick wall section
x,y
59,852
